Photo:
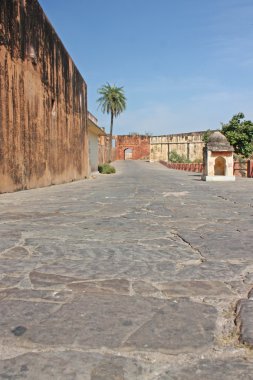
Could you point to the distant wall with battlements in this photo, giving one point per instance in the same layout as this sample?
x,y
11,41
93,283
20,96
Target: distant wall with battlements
x,y
188,144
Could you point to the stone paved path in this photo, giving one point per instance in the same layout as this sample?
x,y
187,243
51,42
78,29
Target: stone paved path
x,y
145,274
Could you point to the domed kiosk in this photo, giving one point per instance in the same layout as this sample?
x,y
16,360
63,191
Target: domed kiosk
x,y
218,159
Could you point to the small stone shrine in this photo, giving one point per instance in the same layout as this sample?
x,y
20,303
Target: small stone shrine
x,y
218,159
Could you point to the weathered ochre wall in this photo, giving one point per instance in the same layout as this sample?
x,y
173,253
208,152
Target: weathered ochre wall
x,y
103,150
43,102
140,146
188,144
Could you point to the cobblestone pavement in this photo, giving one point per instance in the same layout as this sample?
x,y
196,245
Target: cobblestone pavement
x,y
145,274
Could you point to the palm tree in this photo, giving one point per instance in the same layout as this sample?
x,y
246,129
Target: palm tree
x,y
112,101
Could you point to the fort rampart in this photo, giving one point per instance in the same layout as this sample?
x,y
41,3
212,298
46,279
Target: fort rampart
x,y
188,144
43,102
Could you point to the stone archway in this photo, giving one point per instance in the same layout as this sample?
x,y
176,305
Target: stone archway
x,y
139,144
128,154
220,166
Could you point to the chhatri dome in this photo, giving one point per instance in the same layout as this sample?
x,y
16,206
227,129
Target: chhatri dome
x,y
217,138
218,159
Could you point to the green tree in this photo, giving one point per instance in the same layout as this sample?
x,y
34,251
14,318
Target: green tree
x,y
206,135
112,101
239,133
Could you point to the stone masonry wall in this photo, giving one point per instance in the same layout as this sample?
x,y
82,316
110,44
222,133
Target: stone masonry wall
x,y
43,102
188,144
140,146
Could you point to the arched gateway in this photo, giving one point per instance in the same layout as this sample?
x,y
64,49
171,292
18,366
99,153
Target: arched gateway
x,y
128,154
132,147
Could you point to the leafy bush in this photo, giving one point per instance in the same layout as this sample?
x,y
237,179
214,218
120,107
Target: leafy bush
x,y
177,158
106,169
206,135
198,161
239,133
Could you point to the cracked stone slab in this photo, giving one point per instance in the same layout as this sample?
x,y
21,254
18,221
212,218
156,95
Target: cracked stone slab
x,y
74,365
112,266
120,264
208,241
144,288
249,277
31,295
195,289
114,322
17,266
15,253
8,281
213,270
20,313
196,322
226,369
244,321
8,238
113,286
39,279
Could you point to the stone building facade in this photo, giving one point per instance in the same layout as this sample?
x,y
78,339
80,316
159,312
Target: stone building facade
x,y
43,102
188,144
96,137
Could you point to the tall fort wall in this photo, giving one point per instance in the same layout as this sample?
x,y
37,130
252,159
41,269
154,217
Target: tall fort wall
x,y
43,102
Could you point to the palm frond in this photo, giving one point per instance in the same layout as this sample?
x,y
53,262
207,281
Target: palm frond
x,y
112,99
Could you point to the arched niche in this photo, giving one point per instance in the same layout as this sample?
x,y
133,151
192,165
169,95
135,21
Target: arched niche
x,y
220,166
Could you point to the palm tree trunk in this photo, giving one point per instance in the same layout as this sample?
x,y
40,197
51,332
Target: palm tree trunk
x,y
110,139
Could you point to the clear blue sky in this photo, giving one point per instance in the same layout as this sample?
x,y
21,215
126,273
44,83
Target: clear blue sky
x,y
186,65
